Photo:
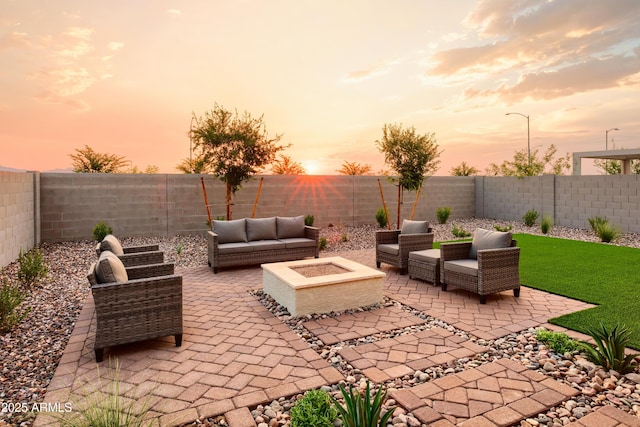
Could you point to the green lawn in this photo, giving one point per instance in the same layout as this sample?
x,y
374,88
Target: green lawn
x,y
592,272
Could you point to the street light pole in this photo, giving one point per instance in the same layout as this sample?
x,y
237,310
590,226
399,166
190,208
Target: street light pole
x,y
606,148
528,138
191,144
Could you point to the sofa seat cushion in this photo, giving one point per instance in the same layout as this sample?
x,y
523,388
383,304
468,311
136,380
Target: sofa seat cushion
x,y
488,239
431,256
234,248
112,244
266,245
298,242
110,269
261,229
289,227
389,248
463,266
233,231
414,227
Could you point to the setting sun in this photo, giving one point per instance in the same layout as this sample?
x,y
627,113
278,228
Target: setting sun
x,y
311,167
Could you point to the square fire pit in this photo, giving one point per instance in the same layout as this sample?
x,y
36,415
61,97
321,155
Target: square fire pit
x,y
322,285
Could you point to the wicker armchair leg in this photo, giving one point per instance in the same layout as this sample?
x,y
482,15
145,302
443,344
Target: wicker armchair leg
x,y
178,340
483,299
377,264
99,354
215,270
403,271
444,286
516,292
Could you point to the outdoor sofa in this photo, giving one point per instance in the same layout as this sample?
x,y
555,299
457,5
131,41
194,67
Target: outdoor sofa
x,y
134,303
250,241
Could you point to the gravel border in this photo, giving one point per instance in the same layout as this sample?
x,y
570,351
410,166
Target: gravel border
x,y
31,352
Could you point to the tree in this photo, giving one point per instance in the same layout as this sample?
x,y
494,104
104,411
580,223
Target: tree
x,y
463,169
287,166
354,168
521,167
235,147
88,161
197,164
413,157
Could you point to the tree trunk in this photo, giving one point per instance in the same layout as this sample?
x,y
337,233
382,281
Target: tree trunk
x,y
228,199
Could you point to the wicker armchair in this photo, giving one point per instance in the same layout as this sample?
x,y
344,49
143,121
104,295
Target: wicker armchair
x,y
494,270
147,305
393,246
131,255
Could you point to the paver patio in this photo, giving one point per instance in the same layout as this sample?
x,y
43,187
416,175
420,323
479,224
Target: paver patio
x,y
236,354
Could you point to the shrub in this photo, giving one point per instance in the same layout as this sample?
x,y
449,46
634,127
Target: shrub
x,y
101,230
459,231
546,224
381,217
596,221
558,341
313,410
31,267
610,350
504,229
322,243
360,411
11,296
530,217
345,237
443,215
607,232
308,220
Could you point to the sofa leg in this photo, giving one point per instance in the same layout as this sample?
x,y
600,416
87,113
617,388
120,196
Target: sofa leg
x,y
483,299
444,286
99,354
516,292
215,270
377,264
178,340
403,271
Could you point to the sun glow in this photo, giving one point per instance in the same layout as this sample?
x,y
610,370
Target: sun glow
x,y
311,166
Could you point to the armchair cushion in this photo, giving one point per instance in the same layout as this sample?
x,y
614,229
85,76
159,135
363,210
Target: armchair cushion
x,y
488,239
110,269
463,266
414,227
289,227
261,229
233,231
112,244
389,248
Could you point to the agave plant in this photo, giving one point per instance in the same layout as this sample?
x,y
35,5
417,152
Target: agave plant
x,y
610,350
360,411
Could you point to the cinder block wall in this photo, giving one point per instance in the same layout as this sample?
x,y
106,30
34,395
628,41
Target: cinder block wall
x,y
18,214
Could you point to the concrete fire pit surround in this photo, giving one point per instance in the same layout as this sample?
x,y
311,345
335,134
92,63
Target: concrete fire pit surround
x,y
358,286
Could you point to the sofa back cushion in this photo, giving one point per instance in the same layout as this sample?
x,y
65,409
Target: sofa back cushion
x,y
414,227
288,227
261,229
233,231
488,239
112,244
110,269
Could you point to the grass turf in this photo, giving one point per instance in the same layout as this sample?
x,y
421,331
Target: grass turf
x,y
592,272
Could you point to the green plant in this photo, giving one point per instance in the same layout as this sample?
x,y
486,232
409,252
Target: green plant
x,y
502,228
459,231
11,296
558,341
107,408
360,411
308,220
101,230
179,248
610,350
381,217
530,217
596,221
315,409
345,237
546,223
31,267
443,214
322,243
607,232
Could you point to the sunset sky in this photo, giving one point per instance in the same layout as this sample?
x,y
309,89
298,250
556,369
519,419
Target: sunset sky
x,y
124,77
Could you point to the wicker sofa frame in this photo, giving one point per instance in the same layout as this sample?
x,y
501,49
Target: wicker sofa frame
x,y
406,243
217,259
147,306
498,269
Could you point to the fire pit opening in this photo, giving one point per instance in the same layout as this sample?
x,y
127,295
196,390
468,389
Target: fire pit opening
x,y
319,270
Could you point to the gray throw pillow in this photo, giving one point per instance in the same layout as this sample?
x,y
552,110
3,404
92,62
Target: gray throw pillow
x,y
289,227
112,244
110,269
261,229
233,231
414,227
488,239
